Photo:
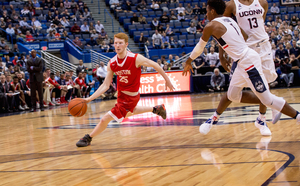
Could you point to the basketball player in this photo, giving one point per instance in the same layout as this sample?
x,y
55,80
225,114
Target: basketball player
x,y
248,73
127,66
250,15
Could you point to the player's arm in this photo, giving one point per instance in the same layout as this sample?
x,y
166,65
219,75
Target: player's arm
x,y
224,62
142,61
265,5
230,9
197,51
104,86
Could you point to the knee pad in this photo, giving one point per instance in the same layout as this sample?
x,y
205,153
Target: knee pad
x,y
273,101
234,94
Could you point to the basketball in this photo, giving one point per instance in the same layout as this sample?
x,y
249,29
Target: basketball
x,y
77,107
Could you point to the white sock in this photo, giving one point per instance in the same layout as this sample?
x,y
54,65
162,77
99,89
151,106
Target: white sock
x,y
262,116
216,115
298,118
53,99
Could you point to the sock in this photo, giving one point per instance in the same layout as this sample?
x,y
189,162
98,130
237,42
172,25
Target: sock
x,y
297,115
53,99
262,116
216,115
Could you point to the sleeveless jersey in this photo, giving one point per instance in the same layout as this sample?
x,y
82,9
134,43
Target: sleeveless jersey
x,y
232,41
128,76
250,19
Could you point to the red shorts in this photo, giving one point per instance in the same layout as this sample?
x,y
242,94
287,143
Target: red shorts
x,y
125,103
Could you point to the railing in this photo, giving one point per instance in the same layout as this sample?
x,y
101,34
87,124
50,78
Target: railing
x,y
182,59
56,64
112,19
68,39
8,35
96,58
121,29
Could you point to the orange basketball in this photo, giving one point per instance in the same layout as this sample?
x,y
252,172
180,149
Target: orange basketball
x,y
77,107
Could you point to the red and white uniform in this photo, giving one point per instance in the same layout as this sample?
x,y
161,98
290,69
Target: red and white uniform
x,y
70,82
28,83
128,77
53,82
17,85
80,82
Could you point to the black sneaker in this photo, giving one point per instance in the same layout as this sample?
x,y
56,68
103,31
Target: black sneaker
x,y
85,141
160,110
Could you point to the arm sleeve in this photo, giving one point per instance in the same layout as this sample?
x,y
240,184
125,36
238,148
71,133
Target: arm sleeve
x,y
198,49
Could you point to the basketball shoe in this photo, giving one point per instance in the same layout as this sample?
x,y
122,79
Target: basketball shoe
x,y
85,141
207,125
261,124
160,110
275,116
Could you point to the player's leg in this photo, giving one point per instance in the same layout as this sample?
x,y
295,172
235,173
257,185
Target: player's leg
x,y
160,110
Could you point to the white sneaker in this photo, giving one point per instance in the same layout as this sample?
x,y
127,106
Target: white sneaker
x,y
262,126
21,108
55,103
207,125
45,106
275,115
26,107
37,105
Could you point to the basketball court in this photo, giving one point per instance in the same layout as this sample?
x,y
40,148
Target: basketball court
x,y
39,148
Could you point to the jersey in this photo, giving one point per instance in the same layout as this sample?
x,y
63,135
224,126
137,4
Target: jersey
x,y
70,82
251,19
232,41
128,74
53,82
16,87
80,82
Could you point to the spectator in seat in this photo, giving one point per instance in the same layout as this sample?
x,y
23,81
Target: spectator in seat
x,y
34,31
75,29
154,24
65,35
203,8
143,40
101,72
165,40
99,27
60,29
50,16
142,19
51,36
154,6
192,29
281,52
80,81
294,62
6,97
134,19
181,17
217,80
56,90
24,23
274,9
141,6
89,83
57,36
118,8
80,67
94,72
111,93
14,17
295,50
94,34
113,3
91,42
194,20
102,33
52,28
36,23
200,26
175,44
105,47
56,21
168,30
25,12
67,4
127,6
87,15
65,22
180,9
99,40
212,58
15,60
189,9
157,40
62,82
61,8
198,62
286,73
164,18
29,37
173,17
25,90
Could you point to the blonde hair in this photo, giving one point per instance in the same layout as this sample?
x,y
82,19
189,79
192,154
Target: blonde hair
x,y
122,36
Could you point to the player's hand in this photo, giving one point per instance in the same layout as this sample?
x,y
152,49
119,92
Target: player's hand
x,y
187,68
169,84
86,100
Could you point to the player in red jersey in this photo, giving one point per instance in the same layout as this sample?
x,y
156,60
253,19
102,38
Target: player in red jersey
x,y
127,66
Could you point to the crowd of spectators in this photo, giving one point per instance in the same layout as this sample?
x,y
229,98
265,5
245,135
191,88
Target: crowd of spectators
x,y
33,21
58,88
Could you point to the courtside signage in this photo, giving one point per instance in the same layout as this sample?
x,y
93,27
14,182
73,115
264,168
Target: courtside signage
x,y
154,83
56,45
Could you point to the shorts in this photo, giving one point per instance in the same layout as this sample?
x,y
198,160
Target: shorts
x,y
249,73
264,50
125,104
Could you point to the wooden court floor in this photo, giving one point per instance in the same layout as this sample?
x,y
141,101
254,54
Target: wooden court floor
x,y
39,148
